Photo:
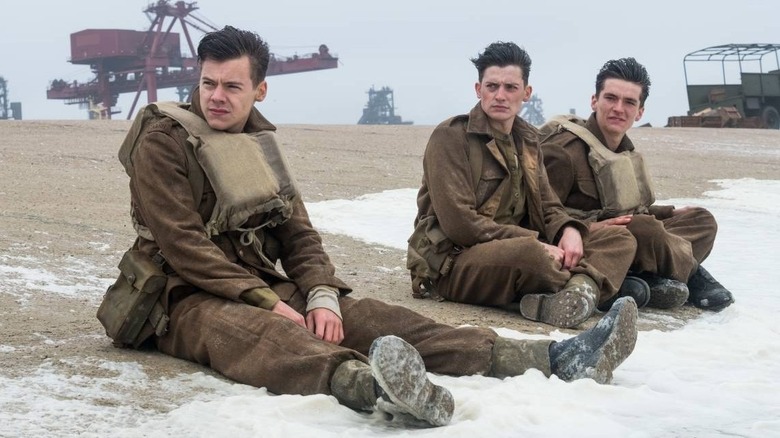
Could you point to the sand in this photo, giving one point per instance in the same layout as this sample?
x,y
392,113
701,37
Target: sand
x,y
64,211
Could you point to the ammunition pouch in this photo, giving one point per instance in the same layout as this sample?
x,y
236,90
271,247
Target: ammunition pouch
x,y
430,255
131,311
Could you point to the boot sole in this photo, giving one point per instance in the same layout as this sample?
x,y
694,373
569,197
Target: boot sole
x,y
400,372
563,309
620,342
668,297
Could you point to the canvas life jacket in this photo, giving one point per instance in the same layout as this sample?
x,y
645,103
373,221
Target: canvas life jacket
x,y
622,179
248,171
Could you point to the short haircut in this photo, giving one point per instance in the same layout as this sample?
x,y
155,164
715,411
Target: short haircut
x,y
627,69
231,43
502,54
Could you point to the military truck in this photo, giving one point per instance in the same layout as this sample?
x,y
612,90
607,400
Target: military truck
x,y
747,85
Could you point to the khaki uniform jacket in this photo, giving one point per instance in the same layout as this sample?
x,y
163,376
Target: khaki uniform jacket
x,y
465,212
163,201
570,174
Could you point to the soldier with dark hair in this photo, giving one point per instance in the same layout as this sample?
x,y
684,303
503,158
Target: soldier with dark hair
x,y
600,177
489,229
214,203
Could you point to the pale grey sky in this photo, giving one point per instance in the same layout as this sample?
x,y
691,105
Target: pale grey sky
x,y
419,48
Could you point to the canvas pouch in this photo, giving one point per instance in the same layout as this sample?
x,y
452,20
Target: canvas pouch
x,y
430,255
131,311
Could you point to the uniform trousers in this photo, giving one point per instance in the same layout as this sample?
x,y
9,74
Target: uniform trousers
x,y
500,272
257,347
674,247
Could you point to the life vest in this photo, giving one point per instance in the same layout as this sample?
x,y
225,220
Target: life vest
x,y
248,171
622,179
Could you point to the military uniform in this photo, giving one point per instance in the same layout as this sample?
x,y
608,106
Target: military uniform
x,y
210,323
669,246
490,196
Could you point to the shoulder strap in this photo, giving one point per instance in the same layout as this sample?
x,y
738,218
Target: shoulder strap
x,y
195,126
570,124
146,115
180,112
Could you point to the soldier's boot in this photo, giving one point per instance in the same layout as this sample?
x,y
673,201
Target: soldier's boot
x,y
665,293
594,353
633,287
394,382
707,293
567,308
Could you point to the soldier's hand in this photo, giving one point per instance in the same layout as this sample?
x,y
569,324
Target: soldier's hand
x,y
620,221
681,210
281,308
555,253
571,244
326,325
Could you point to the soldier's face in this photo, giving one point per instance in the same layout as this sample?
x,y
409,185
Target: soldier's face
x,y
501,94
227,94
617,106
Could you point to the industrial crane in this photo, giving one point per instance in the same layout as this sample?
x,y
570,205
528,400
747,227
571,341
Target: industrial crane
x,y
126,61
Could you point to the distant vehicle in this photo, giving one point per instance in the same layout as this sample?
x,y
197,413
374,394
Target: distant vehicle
x,y
750,88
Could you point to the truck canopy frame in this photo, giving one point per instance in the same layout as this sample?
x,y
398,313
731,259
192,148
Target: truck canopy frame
x,y
756,92
738,53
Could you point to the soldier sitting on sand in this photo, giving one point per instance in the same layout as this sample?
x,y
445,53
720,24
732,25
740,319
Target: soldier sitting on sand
x,y
215,205
599,176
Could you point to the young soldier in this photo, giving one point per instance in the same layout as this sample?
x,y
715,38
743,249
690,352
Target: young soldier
x,y
599,176
489,229
219,215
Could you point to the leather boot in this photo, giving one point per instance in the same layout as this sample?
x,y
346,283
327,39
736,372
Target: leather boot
x,y
665,293
567,308
707,293
633,287
353,385
596,352
394,382
513,357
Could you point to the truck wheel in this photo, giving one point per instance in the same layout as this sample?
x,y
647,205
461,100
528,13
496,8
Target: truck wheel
x,y
770,117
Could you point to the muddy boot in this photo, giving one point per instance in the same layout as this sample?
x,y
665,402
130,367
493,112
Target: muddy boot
x,y
633,287
596,352
707,293
403,386
353,386
665,293
567,308
513,357
395,383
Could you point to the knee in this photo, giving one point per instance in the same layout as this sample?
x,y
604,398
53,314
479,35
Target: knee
x,y
646,229
705,219
620,236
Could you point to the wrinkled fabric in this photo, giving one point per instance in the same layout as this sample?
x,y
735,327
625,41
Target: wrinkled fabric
x,y
497,263
669,246
210,323
260,348
163,201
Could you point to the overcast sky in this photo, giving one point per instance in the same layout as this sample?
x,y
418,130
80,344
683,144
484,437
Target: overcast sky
x,y
419,48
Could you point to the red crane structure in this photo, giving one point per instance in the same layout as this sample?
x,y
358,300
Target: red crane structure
x,y
126,61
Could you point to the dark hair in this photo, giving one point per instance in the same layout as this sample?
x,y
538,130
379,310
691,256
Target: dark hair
x,y
231,43
627,69
501,54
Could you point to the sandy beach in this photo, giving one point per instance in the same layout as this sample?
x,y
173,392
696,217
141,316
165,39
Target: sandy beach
x,y
64,205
